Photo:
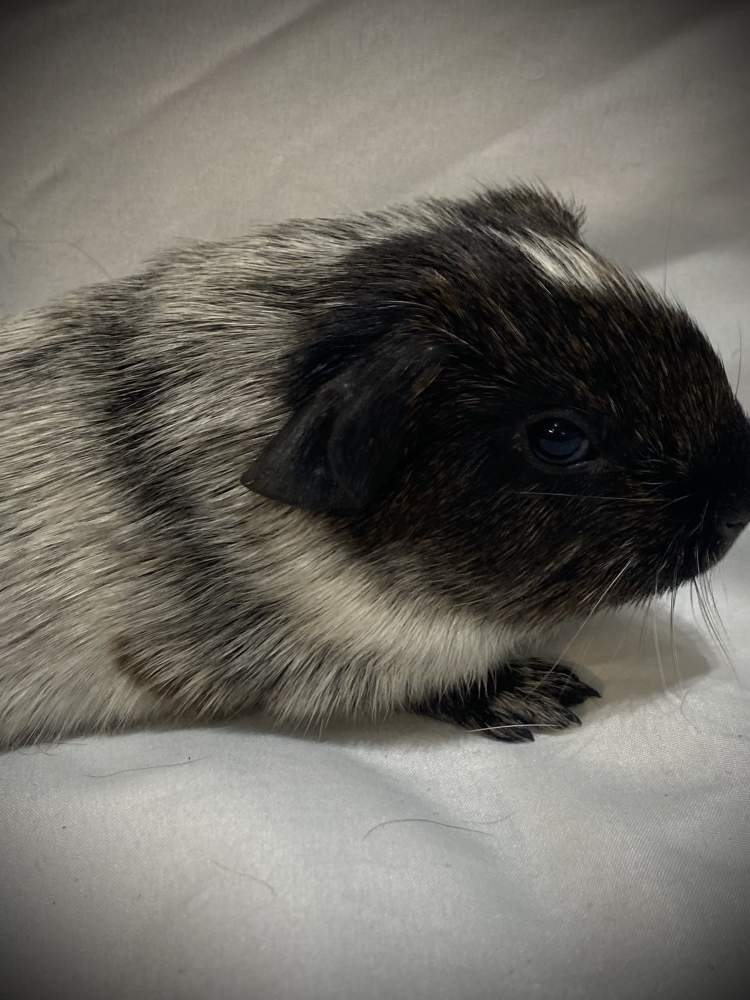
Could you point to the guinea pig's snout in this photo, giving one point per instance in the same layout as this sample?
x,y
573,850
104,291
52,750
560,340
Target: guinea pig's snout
x,y
732,521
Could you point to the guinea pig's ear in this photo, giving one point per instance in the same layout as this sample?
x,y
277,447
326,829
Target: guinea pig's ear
x,y
338,451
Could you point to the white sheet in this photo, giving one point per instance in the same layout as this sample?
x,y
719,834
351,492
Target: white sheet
x,y
411,861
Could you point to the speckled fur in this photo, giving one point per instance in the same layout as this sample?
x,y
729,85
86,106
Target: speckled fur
x,y
141,581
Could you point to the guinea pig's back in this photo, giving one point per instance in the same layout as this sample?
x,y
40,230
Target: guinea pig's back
x,y
129,411
61,580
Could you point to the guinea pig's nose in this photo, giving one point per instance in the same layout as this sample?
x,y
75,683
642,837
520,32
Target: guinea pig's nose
x,y
733,521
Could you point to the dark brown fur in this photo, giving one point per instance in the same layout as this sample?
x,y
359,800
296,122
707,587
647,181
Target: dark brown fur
x,y
374,383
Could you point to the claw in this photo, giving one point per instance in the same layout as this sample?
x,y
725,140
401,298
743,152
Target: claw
x,y
574,695
520,693
506,735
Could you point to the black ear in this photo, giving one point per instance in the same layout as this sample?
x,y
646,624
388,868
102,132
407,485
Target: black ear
x,y
340,449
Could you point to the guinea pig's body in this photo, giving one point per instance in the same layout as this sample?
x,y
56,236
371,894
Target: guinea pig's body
x,y
292,473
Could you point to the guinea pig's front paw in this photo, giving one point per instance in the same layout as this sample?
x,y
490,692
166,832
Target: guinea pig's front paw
x,y
516,698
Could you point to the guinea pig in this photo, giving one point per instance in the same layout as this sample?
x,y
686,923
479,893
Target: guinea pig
x,y
343,467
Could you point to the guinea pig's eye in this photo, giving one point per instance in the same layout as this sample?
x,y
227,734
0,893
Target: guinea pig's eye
x,y
558,440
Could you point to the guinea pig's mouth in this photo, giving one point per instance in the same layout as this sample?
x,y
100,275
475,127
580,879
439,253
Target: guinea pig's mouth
x,y
696,563
691,554
707,546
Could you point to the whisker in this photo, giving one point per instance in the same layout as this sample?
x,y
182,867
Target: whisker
x,y
585,622
647,609
650,610
634,609
672,644
720,632
657,649
739,368
590,496
681,685
655,623
714,604
516,725
705,603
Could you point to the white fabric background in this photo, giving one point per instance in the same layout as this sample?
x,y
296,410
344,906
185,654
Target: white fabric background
x,y
408,861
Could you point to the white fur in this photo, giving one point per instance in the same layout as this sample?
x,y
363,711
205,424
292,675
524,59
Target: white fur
x,y
420,644
562,261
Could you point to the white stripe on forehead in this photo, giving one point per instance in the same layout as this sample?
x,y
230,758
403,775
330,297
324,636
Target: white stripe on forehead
x,y
560,260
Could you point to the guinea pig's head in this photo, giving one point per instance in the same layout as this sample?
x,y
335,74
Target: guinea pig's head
x,y
491,401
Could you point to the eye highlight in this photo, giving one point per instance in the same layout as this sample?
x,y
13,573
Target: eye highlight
x,y
558,440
